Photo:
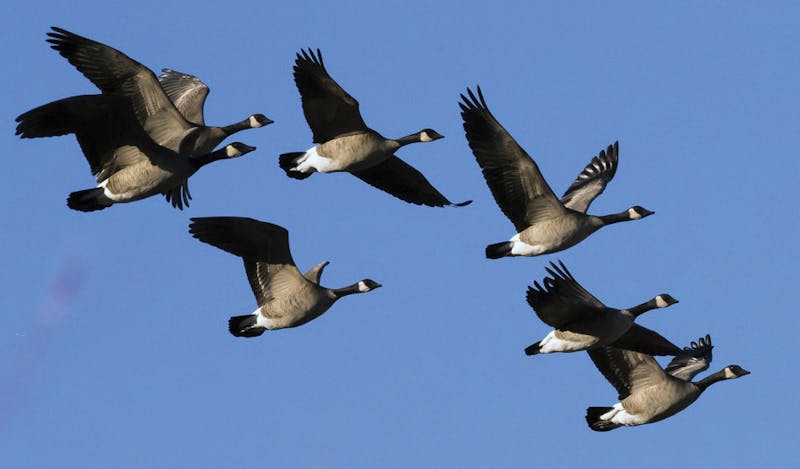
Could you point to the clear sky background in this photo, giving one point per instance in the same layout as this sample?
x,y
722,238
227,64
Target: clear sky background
x,y
114,349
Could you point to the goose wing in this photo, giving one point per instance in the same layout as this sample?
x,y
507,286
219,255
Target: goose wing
x,y
561,300
330,111
187,92
264,247
401,180
115,73
516,183
643,340
696,359
626,370
592,180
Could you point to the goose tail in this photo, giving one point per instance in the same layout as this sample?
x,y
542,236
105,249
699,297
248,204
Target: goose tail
x,y
289,161
89,200
596,423
245,326
532,349
498,250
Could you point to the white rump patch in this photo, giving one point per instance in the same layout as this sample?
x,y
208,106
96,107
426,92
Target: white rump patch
x,y
551,344
313,161
520,248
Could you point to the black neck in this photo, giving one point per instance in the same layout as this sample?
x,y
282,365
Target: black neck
x,y
233,128
643,308
711,379
340,292
615,217
199,161
413,138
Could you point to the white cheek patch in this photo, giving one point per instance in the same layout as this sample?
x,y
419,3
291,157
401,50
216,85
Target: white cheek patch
x,y
633,214
254,123
729,374
424,137
362,287
231,151
660,302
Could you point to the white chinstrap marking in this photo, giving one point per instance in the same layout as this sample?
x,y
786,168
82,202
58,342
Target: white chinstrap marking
x,y
729,374
633,214
424,137
661,302
254,123
362,287
232,152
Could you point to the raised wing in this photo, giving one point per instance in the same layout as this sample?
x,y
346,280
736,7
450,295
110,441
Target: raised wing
x,y
643,340
329,110
401,180
592,180
627,371
516,183
115,73
263,246
314,274
696,359
562,300
187,92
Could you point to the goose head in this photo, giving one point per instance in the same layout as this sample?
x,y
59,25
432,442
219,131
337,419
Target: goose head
x,y
237,149
663,300
734,371
637,212
429,135
259,120
368,285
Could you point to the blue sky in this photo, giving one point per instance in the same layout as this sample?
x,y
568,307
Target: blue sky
x,y
113,343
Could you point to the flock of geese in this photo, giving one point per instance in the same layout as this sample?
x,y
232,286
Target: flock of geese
x,y
145,135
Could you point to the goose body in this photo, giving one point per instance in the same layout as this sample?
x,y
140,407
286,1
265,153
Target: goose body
x,y
346,144
582,322
127,163
647,393
543,222
115,73
285,297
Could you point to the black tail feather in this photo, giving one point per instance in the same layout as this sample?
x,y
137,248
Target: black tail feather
x,y
498,250
595,423
288,161
88,200
245,326
532,349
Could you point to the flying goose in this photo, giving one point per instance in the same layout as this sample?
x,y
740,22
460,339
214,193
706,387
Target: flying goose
x,y
647,394
285,297
346,144
544,223
127,163
582,322
115,73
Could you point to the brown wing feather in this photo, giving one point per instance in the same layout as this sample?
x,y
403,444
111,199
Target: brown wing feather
x,y
516,183
330,111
